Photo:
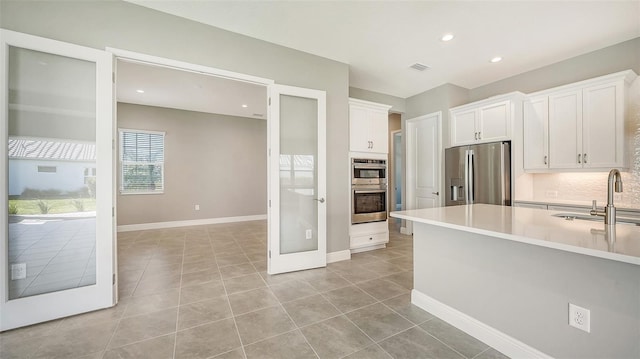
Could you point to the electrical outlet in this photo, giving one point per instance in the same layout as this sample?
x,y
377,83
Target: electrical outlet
x,y
197,207
18,271
308,234
551,194
580,318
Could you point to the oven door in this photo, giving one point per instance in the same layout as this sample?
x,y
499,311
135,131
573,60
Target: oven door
x,y
368,205
363,174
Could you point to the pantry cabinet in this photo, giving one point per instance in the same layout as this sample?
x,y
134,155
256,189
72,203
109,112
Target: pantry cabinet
x,y
483,121
368,126
578,126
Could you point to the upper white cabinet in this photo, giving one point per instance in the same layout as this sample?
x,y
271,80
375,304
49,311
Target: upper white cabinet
x,y
483,121
577,126
368,126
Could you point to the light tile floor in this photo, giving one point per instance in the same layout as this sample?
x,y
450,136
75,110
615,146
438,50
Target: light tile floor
x,y
202,292
58,254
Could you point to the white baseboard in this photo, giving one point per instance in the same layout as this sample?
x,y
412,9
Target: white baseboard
x,y
489,335
338,256
404,230
193,222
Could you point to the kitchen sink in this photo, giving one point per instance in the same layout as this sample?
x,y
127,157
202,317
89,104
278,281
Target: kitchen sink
x,y
587,217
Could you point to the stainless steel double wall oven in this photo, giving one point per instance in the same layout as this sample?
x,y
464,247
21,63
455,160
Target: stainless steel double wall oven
x,y
368,190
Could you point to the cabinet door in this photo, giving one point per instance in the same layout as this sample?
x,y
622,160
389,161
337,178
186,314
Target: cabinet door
x,y
463,127
536,129
379,131
602,126
495,122
359,129
565,130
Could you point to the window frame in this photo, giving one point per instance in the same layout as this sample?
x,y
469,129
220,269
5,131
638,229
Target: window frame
x,y
121,188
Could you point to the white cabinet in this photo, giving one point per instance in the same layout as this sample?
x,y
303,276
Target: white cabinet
x,y
577,126
483,121
368,236
368,126
536,129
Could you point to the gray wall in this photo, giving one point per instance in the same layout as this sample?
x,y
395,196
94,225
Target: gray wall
x,y
524,290
619,57
215,161
126,26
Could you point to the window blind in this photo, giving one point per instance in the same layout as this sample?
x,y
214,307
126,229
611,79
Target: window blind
x,y
141,161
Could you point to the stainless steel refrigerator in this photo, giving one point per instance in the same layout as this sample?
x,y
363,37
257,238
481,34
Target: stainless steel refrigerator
x,y
478,174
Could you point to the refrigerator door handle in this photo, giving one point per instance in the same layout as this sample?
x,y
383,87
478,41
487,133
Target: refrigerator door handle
x,y
470,174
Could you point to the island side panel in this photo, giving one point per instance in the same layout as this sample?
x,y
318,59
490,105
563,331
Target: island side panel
x,y
523,291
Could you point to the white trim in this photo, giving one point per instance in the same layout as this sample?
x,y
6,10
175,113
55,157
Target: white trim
x,y
193,222
137,57
367,248
489,335
338,256
123,129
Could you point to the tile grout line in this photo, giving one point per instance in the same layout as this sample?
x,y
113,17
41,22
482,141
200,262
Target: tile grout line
x,y
235,323
175,339
106,348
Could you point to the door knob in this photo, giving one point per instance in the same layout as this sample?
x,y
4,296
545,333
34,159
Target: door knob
x,y
321,200
436,193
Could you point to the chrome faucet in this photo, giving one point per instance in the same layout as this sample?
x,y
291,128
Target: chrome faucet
x,y
609,214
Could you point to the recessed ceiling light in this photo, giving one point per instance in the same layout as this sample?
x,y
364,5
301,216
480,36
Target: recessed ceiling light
x,y
245,106
43,63
447,37
496,59
140,91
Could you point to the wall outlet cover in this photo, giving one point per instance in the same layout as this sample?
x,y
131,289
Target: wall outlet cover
x,y
308,234
580,318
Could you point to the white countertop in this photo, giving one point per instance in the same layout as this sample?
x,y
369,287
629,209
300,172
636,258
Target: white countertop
x,y
536,227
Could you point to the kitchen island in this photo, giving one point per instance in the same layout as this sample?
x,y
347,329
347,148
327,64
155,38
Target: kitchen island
x,y
506,276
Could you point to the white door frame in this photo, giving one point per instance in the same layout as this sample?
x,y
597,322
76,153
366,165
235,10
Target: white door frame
x,y
136,57
410,170
392,172
39,308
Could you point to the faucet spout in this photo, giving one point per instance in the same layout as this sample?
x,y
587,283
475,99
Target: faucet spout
x,y
614,184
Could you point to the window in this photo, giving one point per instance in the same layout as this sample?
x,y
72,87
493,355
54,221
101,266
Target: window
x,y
89,175
141,161
47,169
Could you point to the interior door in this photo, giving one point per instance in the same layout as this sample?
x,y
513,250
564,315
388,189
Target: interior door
x,y
297,180
56,151
423,162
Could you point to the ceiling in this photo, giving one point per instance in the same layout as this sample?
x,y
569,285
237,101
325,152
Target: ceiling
x,y
381,39
184,90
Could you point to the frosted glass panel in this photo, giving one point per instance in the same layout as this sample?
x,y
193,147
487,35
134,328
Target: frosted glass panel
x,y
298,174
51,173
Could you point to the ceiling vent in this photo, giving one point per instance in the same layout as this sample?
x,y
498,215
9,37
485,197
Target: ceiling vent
x,y
418,66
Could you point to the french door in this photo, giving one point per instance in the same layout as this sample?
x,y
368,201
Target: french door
x,y
56,222
297,236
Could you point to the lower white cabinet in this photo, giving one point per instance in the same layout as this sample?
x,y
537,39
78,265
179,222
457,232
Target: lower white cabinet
x,y
368,236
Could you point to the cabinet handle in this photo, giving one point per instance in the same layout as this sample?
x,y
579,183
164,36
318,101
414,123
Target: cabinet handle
x,y
475,135
579,160
436,193
371,144
479,135
545,160
584,158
